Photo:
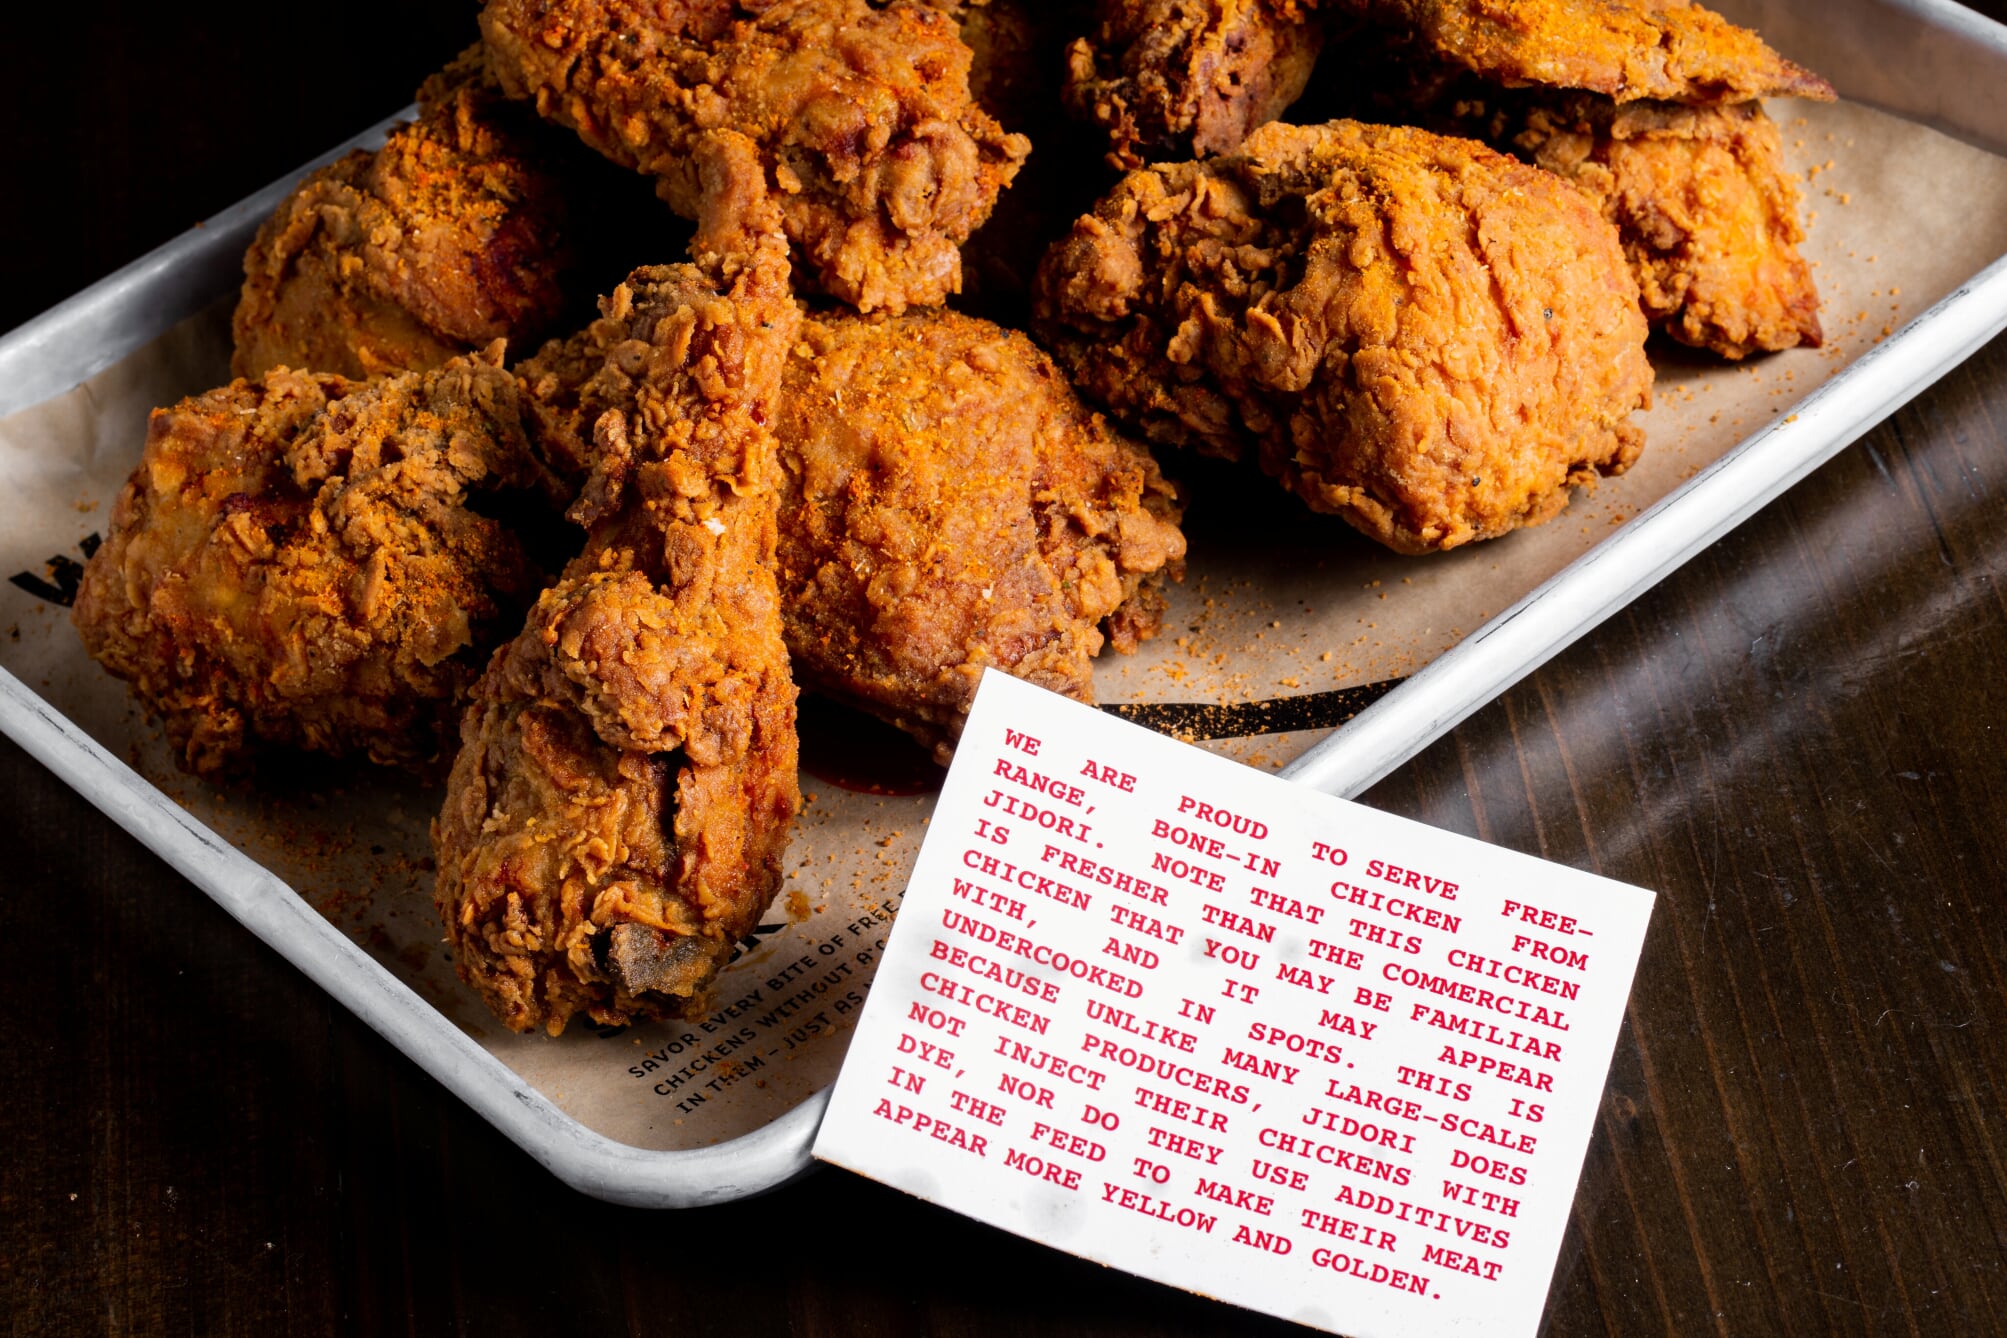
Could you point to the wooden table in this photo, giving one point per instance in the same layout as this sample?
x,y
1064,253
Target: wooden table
x,y
1799,740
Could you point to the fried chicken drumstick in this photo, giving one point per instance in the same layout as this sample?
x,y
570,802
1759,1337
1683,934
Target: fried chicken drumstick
x,y
615,820
949,504
302,560
866,131
1419,334
450,236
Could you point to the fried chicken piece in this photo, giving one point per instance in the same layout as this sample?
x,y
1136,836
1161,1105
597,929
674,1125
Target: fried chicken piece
x,y
880,159
1178,78
951,505
302,560
1419,334
1668,50
451,235
947,503
1696,186
1019,76
1708,214
615,820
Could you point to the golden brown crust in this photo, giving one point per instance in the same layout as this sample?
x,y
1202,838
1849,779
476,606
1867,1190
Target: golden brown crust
x,y
615,821
1697,188
1669,50
951,505
298,561
948,503
1414,332
1708,213
448,237
1178,78
867,134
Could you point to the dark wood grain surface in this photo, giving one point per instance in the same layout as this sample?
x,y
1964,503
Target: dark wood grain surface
x,y
1799,740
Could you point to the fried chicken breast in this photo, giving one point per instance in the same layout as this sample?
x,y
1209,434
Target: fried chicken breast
x,y
1184,78
614,823
950,505
1414,332
302,560
453,234
868,136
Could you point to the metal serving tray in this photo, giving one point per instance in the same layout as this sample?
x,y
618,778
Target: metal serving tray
x,y
1926,60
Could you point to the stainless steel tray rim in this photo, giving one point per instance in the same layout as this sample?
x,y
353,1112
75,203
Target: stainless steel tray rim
x,y
93,329
1652,544
264,904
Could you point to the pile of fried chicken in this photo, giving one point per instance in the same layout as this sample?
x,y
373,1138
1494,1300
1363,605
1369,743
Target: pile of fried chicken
x,y
579,567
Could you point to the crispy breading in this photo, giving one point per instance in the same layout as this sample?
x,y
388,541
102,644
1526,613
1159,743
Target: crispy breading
x,y
868,136
614,823
1696,187
451,235
948,502
1178,78
951,505
1412,331
1668,50
301,560
1707,211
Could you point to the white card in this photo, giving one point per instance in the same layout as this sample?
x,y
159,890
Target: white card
x,y
1183,1018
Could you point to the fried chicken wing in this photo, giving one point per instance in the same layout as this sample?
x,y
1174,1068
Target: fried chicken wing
x,y
453,234
303,560
1668,50
1419,334
615,820
1177,78
950,505
879,157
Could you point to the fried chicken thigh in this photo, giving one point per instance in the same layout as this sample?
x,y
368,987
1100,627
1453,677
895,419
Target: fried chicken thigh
x,y
615,820
1414,332
951,505
451,235
1179,78
302,560
867,133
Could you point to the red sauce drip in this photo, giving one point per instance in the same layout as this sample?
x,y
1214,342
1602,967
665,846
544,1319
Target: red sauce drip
x,y
858,752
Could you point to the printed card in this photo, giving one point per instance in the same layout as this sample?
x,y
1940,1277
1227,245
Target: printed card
x,y
1181,1017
